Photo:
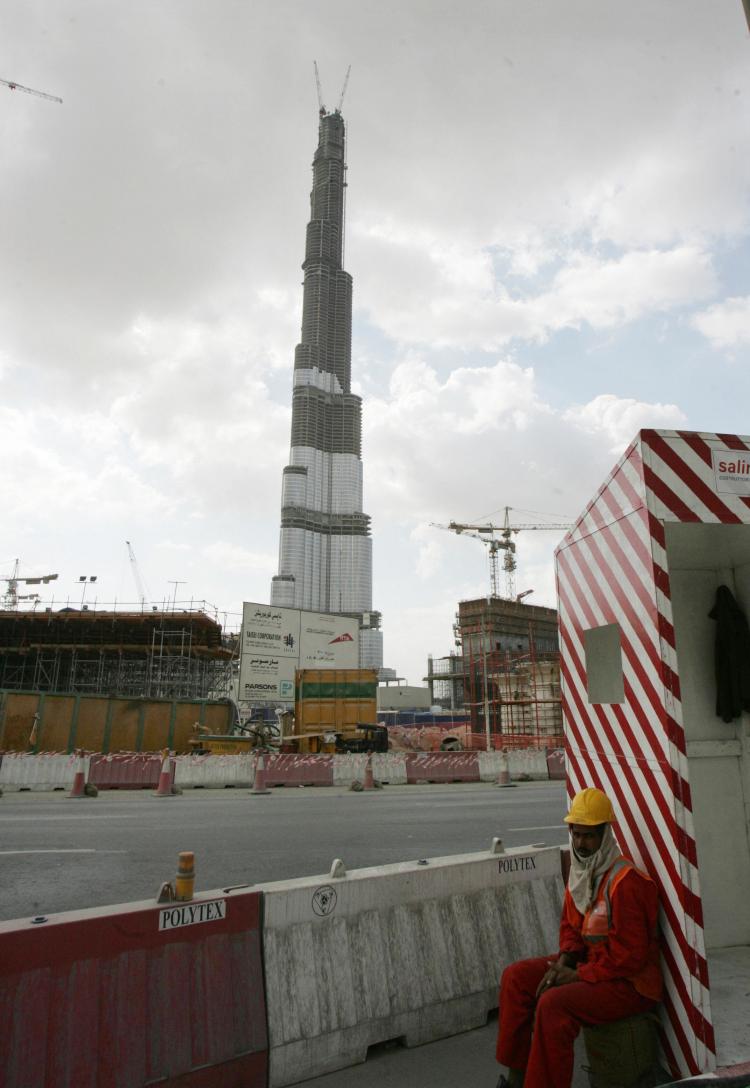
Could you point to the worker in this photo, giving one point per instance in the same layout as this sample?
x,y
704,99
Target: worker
x,y
607,966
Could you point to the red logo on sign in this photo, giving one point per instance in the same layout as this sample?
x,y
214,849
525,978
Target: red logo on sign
x,y
341,638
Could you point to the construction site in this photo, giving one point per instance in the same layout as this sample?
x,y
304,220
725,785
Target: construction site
x,y
159,655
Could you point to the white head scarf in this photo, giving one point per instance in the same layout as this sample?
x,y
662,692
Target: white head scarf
x,y
585,873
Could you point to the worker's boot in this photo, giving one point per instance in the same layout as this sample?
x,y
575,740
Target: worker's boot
x,y
514,1079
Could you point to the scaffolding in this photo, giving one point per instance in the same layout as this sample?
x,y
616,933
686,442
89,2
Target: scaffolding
x,y
513,697
179,655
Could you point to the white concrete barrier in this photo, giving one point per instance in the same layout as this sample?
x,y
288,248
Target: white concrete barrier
x,y
389,767
526,761
411,951
38,771
214,771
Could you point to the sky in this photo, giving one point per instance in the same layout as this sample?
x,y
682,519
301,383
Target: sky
x,y
548,227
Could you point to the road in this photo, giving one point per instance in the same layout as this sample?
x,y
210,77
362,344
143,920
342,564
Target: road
x,y
61,854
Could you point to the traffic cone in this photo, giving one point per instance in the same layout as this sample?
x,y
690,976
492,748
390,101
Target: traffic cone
x,y
79,781
259,782
164,789
369,782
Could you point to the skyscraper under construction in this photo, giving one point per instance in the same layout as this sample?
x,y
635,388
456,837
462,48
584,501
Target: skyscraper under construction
x,y
325,550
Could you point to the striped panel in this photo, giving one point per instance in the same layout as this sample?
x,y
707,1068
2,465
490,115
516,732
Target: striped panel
x,y
612,568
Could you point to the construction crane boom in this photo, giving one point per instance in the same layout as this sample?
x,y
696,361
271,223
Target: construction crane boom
x,y
13,86
500,542
136,573
320,93
343,89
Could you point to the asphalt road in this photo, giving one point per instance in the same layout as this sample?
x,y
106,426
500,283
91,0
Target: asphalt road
x,y
60,854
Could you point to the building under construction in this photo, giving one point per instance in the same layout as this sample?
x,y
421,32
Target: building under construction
x,y
506,673
156,655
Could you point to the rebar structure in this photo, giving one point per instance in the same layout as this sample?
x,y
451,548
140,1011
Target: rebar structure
x,y
152,655
325,549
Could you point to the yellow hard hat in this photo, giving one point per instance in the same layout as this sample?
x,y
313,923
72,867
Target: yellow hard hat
x,y
590,807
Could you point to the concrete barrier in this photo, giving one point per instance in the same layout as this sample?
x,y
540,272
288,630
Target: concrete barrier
x,y
556,764
134,995
43,771
125,771
521,761
299,770
214,771
442,767
411,952
387,767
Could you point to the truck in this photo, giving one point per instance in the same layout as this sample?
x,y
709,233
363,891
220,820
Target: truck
x,y
335,710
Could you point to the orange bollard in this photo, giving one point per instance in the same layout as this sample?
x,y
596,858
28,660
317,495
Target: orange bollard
x,y
185,879
164,789
369,782
259,782
79,781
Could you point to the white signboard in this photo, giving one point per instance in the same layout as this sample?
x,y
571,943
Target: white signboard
x,y
732,471
276,641
190,914
328,642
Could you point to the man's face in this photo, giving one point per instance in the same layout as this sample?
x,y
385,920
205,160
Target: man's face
x,y
586,840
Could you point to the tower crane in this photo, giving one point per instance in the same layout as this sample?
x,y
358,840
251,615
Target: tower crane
x,y
13,86
343,89
321,107
499,538
136,574
11,597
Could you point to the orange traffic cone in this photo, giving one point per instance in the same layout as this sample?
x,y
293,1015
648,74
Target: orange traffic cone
x,y
79,781
259,782
369,782
164,789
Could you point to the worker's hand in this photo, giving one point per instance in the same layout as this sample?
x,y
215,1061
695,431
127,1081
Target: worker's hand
x,y
548,980
558,974
564,975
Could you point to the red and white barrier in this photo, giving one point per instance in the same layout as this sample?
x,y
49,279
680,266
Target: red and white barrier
x,y
299,770
134,995
125,771
442,767
214,771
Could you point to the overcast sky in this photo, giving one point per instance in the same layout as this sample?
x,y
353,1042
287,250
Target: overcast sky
x,y
547,225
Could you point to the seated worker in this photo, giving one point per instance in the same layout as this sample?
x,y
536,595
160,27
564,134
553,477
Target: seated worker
x,y
608,964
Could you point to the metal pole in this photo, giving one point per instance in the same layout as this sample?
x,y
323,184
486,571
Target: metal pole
x,y
486,690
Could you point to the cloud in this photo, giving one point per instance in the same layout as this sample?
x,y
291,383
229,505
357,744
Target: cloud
x,y
727,324
483,438
618,419
416,294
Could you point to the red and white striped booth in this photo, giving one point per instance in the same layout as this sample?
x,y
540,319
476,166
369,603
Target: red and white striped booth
x,y
636,577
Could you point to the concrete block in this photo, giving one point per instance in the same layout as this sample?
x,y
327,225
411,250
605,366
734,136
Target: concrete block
x,y
40,771
214,771
408,950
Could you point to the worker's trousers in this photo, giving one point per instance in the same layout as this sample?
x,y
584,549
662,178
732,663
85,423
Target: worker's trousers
x,y
537,1035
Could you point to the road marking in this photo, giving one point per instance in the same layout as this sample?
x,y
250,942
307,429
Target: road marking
x,y
61,818
4,853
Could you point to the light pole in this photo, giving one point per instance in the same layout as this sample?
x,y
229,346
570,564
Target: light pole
x,y
174,583
85,580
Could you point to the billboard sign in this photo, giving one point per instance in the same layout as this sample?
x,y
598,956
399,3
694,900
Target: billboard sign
x,y
276,641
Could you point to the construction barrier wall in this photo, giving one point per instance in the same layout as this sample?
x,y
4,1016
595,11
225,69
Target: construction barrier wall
x,y
136,995
44,722
410,952
637,578
140,770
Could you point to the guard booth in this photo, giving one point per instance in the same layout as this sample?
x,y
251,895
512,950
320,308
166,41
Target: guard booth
x,y
636,579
